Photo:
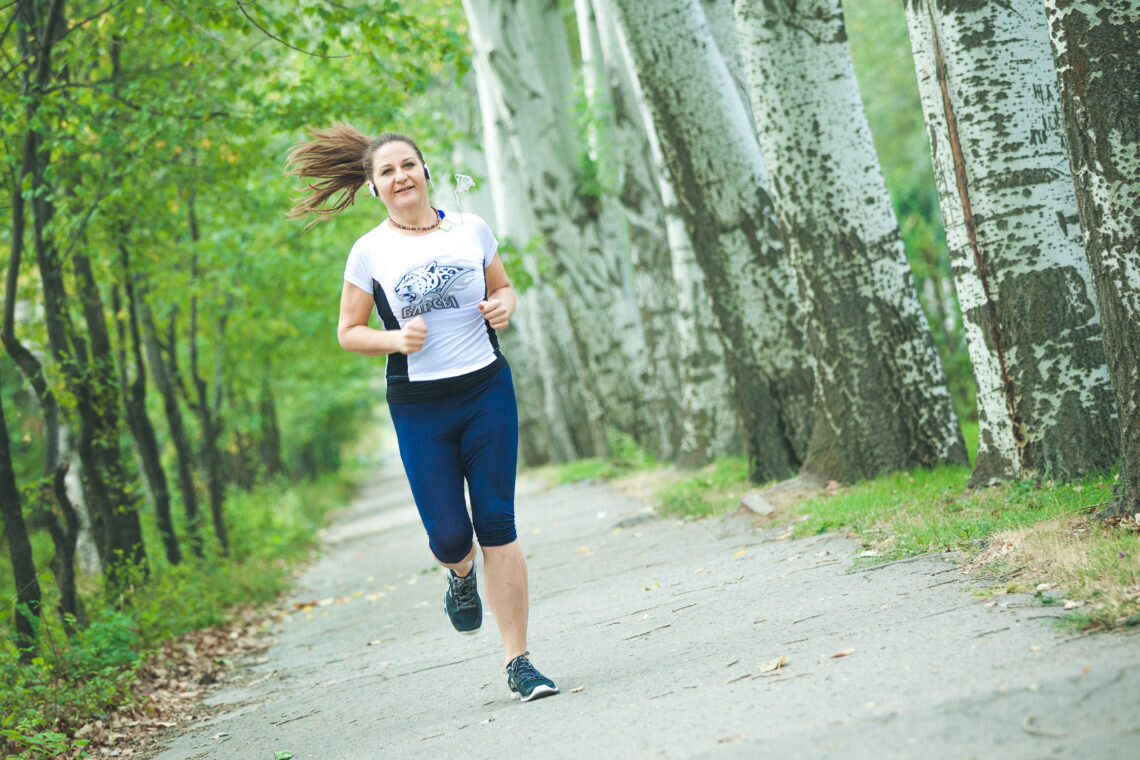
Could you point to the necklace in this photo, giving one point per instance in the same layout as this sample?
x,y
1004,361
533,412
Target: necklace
x,y
438,218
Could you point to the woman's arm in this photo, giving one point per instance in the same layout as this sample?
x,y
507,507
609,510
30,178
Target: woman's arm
x,y
355,335
500,303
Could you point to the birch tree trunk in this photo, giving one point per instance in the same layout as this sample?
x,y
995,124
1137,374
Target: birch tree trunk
x,y
529,76
709,425
715,164
619,155
1095,47
558,418
881,401
988,91
722,24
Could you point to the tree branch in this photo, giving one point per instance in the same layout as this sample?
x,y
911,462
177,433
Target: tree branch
x,y
267,33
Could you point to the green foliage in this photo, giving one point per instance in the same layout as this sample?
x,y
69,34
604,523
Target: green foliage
x,y
70,680
626,456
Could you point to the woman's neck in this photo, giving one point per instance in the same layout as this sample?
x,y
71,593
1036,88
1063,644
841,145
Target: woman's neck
x,y
421,216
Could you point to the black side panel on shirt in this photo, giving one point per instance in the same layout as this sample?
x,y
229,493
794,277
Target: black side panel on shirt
x,y
397,364
491,335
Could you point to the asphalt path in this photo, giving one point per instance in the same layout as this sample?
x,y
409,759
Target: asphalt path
x,y
719,638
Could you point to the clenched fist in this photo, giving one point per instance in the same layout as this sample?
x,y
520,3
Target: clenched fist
x,y
412,336
494,312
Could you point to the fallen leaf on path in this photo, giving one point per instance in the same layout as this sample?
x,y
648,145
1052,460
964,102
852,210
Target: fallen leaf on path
x,y
785,536
655,585
725,739
843,653
584,550
1035,649
741,553
283,755
773,665
698,571
577,689
992,604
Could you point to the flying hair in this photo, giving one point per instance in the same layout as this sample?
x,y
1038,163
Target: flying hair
x,y
339,159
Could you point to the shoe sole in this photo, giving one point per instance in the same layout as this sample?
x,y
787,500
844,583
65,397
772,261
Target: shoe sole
x,y
540,691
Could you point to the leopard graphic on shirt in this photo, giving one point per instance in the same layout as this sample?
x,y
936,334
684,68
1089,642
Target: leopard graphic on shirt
x,y
427,287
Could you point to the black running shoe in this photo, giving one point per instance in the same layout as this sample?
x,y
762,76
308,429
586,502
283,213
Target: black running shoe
x,y
525,682
461,602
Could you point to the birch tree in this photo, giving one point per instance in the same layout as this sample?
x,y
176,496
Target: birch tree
x,y
881,401
709,426
616,161
559,420
529,73
1095,48
988,92
714,162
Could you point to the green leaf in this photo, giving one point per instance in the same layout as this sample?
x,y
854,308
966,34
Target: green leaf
x,y
282,755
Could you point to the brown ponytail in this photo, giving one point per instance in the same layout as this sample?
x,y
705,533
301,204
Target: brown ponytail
x,y
335,157
341,158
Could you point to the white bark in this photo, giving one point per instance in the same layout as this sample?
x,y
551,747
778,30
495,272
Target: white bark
x,y
633,222
989,94
880,393
715,164
558,420
722,24
522,48
1095,47
709,425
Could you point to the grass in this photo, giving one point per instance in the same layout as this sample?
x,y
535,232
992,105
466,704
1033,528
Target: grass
x,y
1028,534
71,681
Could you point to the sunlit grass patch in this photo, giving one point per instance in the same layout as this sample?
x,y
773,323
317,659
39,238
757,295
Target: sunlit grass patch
x,y
921,511
712,490
1093,567
625,457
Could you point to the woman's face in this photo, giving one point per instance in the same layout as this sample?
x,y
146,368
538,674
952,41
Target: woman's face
x,y
399,176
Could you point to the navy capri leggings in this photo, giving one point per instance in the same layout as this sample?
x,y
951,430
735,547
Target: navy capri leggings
x,y
473,436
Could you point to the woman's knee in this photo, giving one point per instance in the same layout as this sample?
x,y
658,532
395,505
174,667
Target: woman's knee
x,y
451,545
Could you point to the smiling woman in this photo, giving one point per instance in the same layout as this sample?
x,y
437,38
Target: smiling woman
x,y
450,391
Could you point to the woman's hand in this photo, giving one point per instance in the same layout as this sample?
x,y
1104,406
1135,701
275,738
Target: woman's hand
x,y
412,336
495,312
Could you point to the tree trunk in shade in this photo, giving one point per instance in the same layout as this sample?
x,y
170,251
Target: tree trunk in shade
x,y
715,165
881,402
709,425
1095,47
989,94
521,53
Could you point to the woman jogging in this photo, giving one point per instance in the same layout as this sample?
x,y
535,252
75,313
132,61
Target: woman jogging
x,y
441,292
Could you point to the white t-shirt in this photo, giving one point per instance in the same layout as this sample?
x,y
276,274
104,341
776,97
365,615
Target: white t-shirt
x,y
438,276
